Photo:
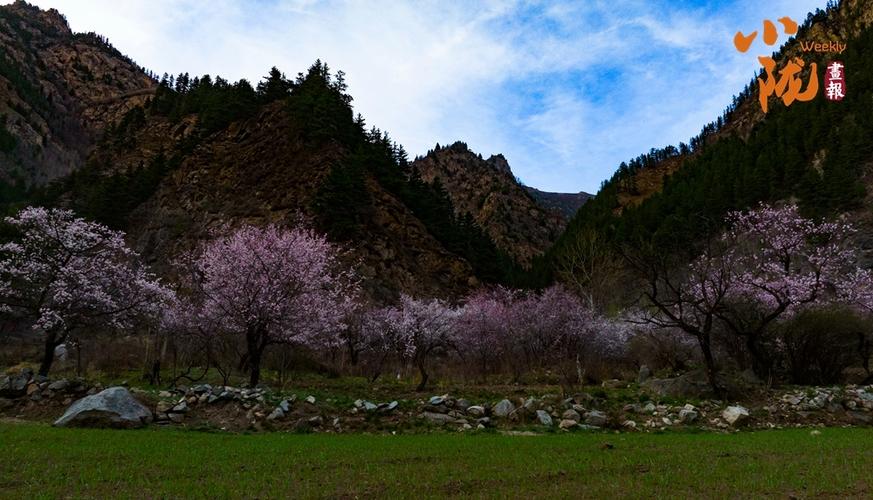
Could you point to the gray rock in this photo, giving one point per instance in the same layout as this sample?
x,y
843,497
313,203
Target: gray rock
x,y
310,400
15,385
59,385
530,404
612,384
462,404
436,400
368,406
285,406
688,415
176,418
645,374
438,418
544,418
476,411
571,415
201,389
388,407
316,421
113,407
567,424
182,407
596,418
503,408
276,414
735,415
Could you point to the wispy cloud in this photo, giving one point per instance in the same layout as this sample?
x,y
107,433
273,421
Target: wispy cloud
x,y
566,90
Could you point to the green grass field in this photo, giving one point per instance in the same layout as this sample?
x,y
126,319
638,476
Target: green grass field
x,y
40,461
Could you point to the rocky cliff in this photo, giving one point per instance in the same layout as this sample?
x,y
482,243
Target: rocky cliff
x,y
58,91
487,190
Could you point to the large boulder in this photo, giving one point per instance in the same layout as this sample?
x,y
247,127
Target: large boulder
x,y
689,385
503,408
113,407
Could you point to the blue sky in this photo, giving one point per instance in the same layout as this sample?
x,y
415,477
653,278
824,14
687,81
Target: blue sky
x,y
565,90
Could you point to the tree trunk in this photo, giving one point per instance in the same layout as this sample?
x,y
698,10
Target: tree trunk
x,y
256,346
48,356
760,364
424,377
709,361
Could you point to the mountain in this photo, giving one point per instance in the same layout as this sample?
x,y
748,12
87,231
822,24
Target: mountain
x,y
817,153
172,160
58,91
487,190
566,204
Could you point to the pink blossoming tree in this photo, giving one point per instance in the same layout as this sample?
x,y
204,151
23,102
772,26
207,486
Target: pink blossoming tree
x,y
417,330
63,274
272,285
770,264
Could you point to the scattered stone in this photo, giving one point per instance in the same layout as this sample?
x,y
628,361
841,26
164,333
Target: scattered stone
x,y
530,404
567,424
571,415
438,418
316,421
503,408
596,418
388,407
476,411
815,433
436,400
368,406
13,386
735,415
176,418
182,407
688,415
462,404
612,384
629,424
276,414
59,385
310,400
544,418
114,407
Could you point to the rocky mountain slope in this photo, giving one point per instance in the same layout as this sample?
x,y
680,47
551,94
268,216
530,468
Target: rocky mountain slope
x,y
488,191
260,171
58,91
816,153
837,24
567,204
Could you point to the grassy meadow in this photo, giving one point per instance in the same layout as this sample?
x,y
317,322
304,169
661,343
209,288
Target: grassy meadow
x,y
41,461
